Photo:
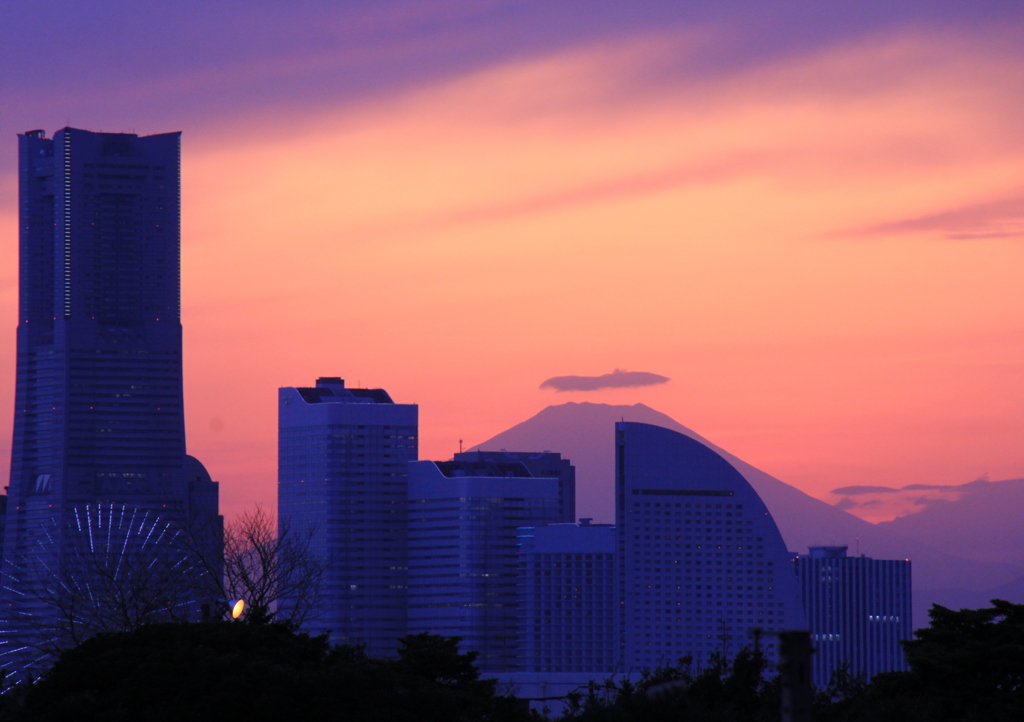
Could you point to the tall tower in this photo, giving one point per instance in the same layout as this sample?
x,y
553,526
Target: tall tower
x,y
342,483
99,430
701,562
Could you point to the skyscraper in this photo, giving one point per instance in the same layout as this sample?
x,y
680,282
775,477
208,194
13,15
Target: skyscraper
x,y
99,430
467,521
568,593
858,609
701,562
342,480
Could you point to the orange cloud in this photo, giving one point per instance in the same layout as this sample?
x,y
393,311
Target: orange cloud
x,y
605,207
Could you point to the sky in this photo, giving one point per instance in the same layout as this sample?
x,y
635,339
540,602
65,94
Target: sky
x,y
808,217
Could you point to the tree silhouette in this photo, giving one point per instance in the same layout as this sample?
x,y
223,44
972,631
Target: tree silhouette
x,y
225,670
265,563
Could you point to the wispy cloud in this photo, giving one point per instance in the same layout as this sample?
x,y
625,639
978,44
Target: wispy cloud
x,y
997,219
862,490
612,193
879,503
617,379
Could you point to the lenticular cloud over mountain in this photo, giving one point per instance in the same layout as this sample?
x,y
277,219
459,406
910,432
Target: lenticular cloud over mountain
x,y
616,379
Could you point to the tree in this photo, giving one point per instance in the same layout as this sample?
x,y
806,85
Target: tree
x,y
977,652
845,690
725,691
431,668
217,670
223,670
967,665
267,563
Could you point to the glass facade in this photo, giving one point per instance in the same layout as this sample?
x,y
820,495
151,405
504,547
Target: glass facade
x,y
467,522
859,609
543,463
342,479
567,600
99,415
701,562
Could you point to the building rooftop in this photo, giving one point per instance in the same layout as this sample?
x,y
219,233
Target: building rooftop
x,y
331,389
826,552
453,469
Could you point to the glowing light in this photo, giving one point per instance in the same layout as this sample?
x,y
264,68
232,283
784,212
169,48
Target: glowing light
x,y
237,607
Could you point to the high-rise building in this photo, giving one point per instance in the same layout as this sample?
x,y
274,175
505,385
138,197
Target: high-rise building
x,y
542,463
342,482
701,562
99,429
467,521
859,610
567,601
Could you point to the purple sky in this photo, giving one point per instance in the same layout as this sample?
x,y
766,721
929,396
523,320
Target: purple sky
x,y
458,200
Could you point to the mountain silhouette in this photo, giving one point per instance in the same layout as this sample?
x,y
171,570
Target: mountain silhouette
x,y
983,524
585,433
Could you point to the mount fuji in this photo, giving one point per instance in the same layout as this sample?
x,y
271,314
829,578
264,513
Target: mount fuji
x,y
584,433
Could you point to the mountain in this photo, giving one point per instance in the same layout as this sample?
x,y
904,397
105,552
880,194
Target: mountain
x,y
584,433
983,524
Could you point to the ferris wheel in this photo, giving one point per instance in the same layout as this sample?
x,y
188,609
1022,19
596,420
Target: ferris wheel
x,y
104,567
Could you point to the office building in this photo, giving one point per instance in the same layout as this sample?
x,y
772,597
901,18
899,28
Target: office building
x,y
567,601
467,521
701,562
342,480
543,463
99,429
858,610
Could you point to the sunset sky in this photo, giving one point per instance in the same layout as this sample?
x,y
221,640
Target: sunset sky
x,y
808,216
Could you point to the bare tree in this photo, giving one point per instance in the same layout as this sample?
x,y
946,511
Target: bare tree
x,y
273,568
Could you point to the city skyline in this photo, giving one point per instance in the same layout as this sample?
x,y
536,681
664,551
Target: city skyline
x,y
809,221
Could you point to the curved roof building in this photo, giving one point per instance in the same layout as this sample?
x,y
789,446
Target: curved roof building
x,y
701,562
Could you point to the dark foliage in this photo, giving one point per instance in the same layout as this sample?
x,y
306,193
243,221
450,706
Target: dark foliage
x,y
725,691
967,665
260,672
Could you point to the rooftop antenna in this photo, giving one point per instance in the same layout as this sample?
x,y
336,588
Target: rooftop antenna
x,y
460,446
